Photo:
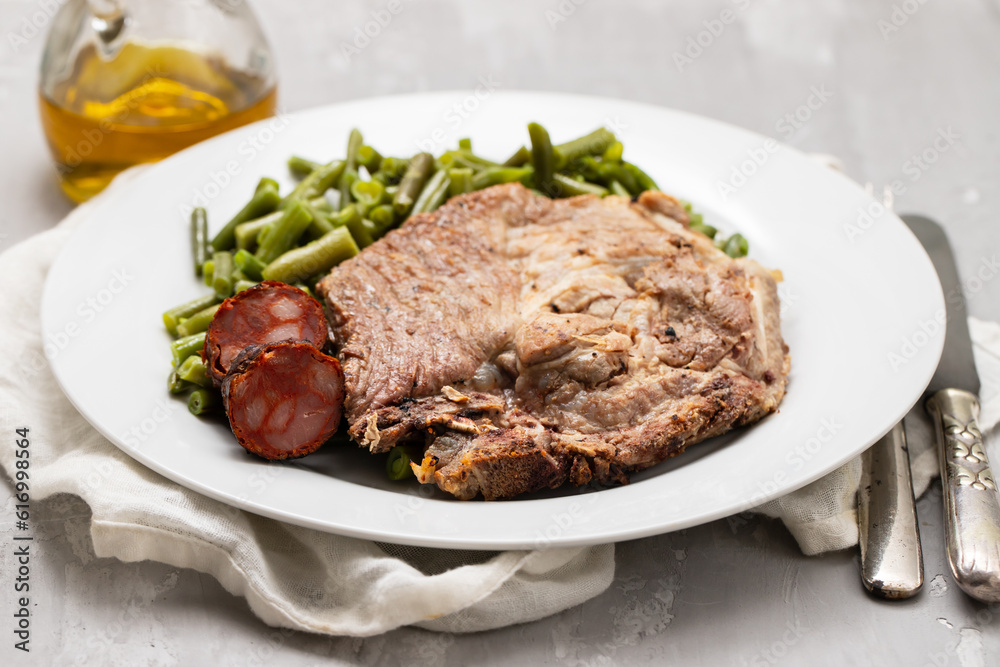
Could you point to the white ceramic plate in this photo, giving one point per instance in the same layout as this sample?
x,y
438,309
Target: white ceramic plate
x,y
857,289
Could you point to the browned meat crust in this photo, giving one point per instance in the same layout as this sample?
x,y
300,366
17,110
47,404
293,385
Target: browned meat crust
x,y
528,342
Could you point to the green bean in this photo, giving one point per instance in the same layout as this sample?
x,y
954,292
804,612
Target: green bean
x,y
360,232
182,348
391,170
173,316
199,238
222,278
368,194
198,322
369,158
436,198
349,213
285,233
564,186
644,180
429,192
247,233
440,196
735,246
485,179
324,179
347,179
351,217
203,401
542,156
454,160
371,227
264,200
465,144
354,143
420,170
473,160
707,230
207,272
267,183
383,217
618,189
175,385
614,152
316,183
314,258
623,176
520,157
461,181
242,285
604,173
397,466
301,167
193,370
263,235
695,218
588,166
249,264
594,143
320,224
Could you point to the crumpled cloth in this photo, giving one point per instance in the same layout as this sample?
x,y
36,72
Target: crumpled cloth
x,y
303,579
823,516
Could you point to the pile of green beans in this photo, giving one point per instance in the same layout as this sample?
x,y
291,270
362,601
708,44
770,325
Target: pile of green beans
x,y
341,206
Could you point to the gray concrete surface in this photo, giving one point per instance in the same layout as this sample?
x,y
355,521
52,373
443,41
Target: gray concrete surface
x,y
733,592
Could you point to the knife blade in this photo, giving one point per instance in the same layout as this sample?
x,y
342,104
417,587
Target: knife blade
x,y
971,502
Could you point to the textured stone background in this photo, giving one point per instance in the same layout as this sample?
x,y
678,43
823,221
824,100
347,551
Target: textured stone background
x,y
734,592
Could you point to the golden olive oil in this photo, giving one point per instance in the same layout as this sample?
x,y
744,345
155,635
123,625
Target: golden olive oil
x,y
141,106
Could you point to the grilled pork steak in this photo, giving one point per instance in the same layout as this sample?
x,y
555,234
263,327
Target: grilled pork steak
x,y
527,342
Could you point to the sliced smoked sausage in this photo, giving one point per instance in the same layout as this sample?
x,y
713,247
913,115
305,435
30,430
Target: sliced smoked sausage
x,y
284,399
266,313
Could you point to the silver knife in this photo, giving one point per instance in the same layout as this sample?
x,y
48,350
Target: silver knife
x,y
891,561
971,503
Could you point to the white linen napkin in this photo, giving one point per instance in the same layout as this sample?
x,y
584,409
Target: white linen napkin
x,y
308,580
823,516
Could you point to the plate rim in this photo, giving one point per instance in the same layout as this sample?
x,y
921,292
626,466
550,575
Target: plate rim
x,y
450,541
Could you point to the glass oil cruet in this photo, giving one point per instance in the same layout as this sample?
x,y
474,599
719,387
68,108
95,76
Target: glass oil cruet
x,y
130,81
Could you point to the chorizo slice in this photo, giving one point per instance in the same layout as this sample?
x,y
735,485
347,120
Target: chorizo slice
x,y
266,313
284,399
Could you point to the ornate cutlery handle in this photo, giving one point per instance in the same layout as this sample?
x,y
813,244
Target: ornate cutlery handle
x,y
971,503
